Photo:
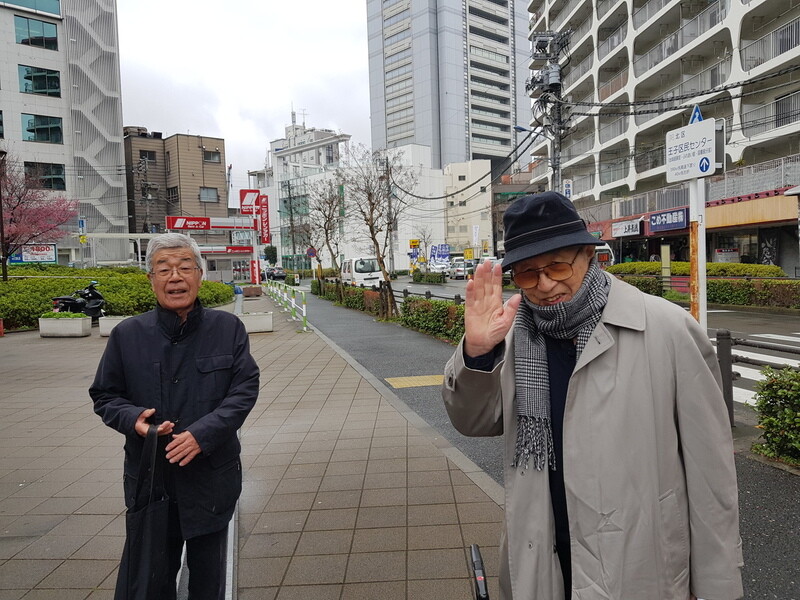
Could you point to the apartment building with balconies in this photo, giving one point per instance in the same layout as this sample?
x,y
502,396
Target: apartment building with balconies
x,y
632,71
61,115
448,74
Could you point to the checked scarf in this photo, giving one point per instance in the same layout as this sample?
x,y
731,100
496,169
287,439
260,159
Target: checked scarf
x,y
574,319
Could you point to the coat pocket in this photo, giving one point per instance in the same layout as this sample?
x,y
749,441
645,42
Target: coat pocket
x,y
214,376
674,537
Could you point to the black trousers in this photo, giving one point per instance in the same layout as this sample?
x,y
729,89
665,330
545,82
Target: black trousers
x,y
205,557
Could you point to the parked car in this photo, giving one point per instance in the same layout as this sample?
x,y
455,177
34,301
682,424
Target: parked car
x,y
438,267
274,273
461,269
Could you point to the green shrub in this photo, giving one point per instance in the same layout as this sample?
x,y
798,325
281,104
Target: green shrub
x,y
353,297
681,268
439,318
420,277
126,291
315,287
778,406
649,285
62,315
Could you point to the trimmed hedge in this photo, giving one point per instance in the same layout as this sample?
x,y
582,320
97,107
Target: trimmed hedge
x,y
778,406
126,291
420,277
439,318
681,269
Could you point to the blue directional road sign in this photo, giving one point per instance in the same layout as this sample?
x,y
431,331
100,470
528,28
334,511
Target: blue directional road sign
x,y
705,164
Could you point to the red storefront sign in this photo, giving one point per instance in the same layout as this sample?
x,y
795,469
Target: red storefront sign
x,y
188,223
263,219
247,201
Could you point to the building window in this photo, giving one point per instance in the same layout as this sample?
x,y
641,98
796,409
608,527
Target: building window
x,y
36,80
209,194
212,156
33,32
462,177
2,131
172,195
148,155
48,6
41,128
329,154
168,162
48,176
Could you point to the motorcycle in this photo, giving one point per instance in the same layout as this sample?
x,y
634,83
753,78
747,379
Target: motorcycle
x,y
88,301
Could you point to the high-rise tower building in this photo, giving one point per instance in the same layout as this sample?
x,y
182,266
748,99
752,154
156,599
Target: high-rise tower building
x,y
448,74
61,113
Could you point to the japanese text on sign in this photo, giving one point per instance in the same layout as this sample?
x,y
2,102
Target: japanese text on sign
x,y
690,151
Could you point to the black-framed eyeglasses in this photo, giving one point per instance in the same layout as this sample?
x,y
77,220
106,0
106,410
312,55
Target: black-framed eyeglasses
x,y
166,272
557,271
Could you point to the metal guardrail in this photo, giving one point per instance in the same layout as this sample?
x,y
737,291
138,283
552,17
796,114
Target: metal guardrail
x,y
286,296
726,358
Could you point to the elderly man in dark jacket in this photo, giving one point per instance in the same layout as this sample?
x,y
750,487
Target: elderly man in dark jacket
x,y
189,370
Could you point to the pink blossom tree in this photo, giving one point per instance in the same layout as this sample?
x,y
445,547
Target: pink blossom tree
x,y
29,212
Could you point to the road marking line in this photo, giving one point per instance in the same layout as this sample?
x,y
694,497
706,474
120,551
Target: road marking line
x,y
416,381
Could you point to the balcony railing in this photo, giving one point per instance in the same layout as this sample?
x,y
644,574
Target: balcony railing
x,y
773,44
619,81
583,184
673,42
614,171
780,112
613,129
642,15
578,71
556,23
712,77
650,159
771,175
577,148
614,40
603,6
540,170
580,31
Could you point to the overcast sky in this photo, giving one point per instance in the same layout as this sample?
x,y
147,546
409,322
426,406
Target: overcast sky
x,y
234,70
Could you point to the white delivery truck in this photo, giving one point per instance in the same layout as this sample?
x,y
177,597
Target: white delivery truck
x,y
361,271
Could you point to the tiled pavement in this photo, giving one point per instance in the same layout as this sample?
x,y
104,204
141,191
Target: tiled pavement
x,y
347,494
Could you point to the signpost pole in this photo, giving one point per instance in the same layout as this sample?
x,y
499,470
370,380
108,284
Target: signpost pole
x,y
697,248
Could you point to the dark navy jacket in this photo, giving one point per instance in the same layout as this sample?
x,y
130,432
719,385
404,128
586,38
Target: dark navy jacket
x,y
198,374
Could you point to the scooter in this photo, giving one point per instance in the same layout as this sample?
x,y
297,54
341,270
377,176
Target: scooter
x,y
88,301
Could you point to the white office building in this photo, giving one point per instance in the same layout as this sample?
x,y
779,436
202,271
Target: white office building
x,y
623,69
61,115
448,74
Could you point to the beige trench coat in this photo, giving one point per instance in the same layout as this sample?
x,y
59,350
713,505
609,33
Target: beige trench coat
x,y
648,463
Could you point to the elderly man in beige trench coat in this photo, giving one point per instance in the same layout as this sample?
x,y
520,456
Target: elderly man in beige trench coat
x,y
620,481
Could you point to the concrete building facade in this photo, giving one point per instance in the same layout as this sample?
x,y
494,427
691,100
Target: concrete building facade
x,y
61,115
448,74
631,72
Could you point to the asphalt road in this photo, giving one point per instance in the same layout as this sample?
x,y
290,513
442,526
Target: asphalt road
x,y
769,498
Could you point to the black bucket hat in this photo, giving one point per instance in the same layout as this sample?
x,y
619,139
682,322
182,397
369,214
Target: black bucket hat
x,y
542,223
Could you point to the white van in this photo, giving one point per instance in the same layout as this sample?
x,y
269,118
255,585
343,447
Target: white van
x,y
361,271
604,255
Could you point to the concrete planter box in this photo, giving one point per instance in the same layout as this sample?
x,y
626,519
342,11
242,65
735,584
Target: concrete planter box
x,y
251,291
257,322
65,327
108,323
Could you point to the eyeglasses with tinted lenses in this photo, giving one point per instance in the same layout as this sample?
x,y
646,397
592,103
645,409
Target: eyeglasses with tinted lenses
x,y
556,271
166,272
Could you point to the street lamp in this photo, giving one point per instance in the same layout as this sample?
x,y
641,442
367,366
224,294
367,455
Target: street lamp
x,y
3,257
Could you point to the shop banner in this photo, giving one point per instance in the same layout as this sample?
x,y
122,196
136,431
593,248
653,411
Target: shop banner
x,y
626,228
677,218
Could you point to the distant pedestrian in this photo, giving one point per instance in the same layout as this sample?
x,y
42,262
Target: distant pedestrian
x,y
620,480
189,370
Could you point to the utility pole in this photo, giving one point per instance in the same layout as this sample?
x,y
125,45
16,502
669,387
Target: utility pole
x,y
290,205
545,87
3,256
387,174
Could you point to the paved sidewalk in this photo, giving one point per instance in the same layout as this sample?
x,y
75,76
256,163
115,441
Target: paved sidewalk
x,y
347,494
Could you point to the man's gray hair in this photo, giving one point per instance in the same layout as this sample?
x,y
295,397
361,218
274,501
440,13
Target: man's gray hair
x,y
171,240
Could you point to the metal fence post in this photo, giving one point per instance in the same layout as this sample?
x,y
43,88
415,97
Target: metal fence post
x,y
305,311
457,299
724,344
294,305
427,294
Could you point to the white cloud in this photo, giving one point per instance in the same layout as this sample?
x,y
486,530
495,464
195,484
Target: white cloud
x,y
235,69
